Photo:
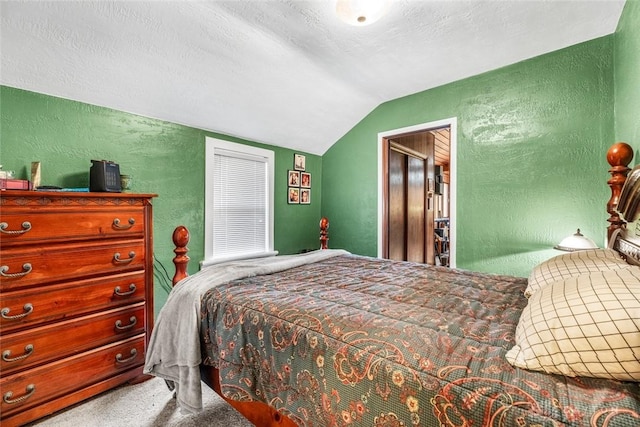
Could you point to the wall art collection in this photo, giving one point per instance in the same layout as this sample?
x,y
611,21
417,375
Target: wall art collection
x,y
299,182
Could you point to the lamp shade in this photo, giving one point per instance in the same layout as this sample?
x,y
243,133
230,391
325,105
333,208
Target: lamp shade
x,y
361,12
576,242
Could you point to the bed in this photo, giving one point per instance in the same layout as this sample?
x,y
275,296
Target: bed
x,y
330,338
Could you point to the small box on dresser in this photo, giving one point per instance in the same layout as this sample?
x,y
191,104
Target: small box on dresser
x,y
76,297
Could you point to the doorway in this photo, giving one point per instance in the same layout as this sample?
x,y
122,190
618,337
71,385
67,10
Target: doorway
x,y
416,186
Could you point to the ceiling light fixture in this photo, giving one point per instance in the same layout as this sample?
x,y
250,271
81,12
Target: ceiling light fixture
x,y
361,12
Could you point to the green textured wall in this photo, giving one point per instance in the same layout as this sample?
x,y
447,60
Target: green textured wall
x,y
627,77
164,158
532,139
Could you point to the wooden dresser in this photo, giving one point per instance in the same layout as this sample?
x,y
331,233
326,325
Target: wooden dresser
x,y
76,297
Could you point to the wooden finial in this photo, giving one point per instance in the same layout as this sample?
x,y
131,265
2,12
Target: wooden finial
x,y
324,236
619,156
181,260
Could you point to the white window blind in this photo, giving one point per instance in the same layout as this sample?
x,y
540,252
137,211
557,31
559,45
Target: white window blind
x,y
239,219
239,205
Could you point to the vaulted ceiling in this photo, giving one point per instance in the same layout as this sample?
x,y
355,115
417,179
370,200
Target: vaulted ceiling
x,y
281,72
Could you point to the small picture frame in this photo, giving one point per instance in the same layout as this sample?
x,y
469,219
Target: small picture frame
x,y
305,196
299,161
305,180
293,195
293,178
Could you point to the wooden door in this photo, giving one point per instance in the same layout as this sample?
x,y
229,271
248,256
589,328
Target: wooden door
x,y
408,203
416,208
397,224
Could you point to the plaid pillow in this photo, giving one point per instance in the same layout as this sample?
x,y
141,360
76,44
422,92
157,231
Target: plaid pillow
x,y
588,325
572,264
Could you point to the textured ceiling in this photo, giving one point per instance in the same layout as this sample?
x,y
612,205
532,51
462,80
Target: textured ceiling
x,y
282,72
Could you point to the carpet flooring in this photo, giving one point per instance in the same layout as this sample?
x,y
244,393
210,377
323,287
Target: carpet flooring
x,y
148,404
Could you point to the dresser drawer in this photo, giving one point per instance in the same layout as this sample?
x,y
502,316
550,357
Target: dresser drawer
x,y
22,350
36,226
32,307
29,266
24,390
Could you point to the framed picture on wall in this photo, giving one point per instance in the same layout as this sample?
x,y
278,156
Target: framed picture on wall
x,y
293,195
305,180
293,178
299,162
305,196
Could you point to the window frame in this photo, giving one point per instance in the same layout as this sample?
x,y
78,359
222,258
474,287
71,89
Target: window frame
x,y
212,147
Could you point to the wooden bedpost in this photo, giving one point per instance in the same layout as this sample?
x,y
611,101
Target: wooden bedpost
x,y
324,235
181,260
619,156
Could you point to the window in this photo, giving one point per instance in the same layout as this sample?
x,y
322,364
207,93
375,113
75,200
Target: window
x,y
238,202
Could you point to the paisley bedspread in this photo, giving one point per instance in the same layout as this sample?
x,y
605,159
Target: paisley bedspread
x,y
367,342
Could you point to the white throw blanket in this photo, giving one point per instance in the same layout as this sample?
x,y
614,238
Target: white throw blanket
x,y
174,349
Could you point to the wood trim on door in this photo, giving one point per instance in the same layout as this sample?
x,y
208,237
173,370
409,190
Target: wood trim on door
x,y
385,201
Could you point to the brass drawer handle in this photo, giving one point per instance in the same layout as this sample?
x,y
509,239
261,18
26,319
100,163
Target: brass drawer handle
x,y
28,309
116,258
26,269
28,351
30,389
132,323
133,353
118,226
26,226
131,291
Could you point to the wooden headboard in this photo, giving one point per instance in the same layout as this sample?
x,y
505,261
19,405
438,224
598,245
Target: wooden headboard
x,y
624,204
181,240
